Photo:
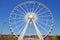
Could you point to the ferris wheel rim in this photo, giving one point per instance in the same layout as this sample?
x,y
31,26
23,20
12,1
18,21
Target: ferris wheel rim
x,y
41,4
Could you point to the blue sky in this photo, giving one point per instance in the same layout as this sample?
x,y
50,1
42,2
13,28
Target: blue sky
x,y
6,6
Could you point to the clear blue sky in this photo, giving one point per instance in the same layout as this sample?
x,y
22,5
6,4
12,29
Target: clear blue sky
x,y
6,7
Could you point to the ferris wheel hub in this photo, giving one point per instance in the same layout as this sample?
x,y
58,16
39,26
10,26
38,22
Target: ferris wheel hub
x,y
31,16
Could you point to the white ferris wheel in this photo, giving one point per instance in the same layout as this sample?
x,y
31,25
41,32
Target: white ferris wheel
x,y
31,13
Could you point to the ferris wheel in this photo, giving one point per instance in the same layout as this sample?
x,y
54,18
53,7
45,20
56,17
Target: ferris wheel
x,y
31,13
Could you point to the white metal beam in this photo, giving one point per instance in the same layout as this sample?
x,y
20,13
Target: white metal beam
x,y
37,31
24,31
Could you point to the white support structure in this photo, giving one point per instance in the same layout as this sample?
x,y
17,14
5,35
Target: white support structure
x,y
24,31
37,31
30,19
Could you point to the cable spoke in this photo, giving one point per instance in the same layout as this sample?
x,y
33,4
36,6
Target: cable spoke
x,y
33,7
16,18
44,15
18,21
42,27
20,29
46,24
19,25
23,9
44,12
30,8
39,10
36,9
45,18
18,14
45,21
26,8
21,12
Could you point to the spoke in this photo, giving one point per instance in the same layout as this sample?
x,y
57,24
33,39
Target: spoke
x,y
21,12
42,27
36,9
16,18
44,15
45,18
19,25
21,29
44,12
18,21
26,8
30,8
39,10
18,14
46,24
33,7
